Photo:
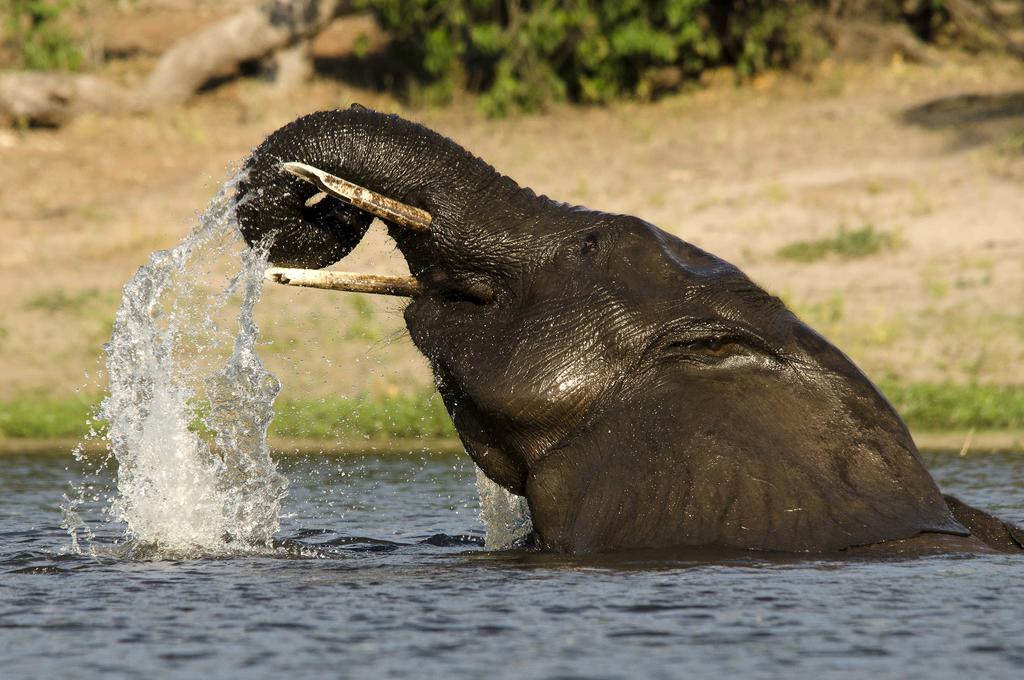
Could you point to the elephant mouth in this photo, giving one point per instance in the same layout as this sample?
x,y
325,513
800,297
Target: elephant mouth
x,y
432,282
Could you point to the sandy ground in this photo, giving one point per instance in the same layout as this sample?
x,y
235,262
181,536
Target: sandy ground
x,y
933,155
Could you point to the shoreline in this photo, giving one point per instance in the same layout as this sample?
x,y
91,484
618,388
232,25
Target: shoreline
x,y
964,442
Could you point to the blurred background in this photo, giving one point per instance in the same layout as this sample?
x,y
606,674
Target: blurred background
x,y
863,159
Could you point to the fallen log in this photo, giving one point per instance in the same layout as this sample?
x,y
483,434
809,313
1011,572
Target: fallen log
x,y
253,33
275,27
52,99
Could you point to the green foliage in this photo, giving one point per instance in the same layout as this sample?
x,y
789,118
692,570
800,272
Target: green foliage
x,y
39,36
846,244
522,54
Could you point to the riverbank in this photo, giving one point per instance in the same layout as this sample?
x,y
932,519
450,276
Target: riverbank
x,y
281,446
962,443
926,407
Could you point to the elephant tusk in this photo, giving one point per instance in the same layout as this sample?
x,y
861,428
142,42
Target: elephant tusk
x,y
387,209
404,286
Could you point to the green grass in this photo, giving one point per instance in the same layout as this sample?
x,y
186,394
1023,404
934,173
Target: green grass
x,y
36,417
847,244
376,418
926,406
947,406
1012,145
364,326
402,416
59,300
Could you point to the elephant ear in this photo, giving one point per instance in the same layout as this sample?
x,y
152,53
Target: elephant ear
x,y
303,226
671,482
994,532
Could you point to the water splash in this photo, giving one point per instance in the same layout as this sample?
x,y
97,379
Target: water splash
x,y
190,401
505,515
188,410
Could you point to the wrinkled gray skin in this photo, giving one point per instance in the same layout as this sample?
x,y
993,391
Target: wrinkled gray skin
x,y
639,391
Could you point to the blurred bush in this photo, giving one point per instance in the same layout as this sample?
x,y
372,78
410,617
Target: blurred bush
x,y
37,37
522,54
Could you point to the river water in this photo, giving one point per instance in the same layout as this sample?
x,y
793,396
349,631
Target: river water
x,y
380,572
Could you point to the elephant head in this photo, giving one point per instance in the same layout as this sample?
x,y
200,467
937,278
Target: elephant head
x,y
639,391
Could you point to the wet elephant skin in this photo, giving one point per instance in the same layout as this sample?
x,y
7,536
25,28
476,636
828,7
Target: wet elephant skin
x,y
639,391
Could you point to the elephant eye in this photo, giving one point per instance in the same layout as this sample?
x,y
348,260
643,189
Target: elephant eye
x,y
714,345
589,244
710,348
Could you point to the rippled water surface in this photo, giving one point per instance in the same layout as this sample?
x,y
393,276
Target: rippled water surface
x,y
380,574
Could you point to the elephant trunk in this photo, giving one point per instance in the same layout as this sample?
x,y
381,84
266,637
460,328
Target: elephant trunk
x,y
383,154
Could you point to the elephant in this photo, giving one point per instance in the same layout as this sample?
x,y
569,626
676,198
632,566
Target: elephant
x,y
640,392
